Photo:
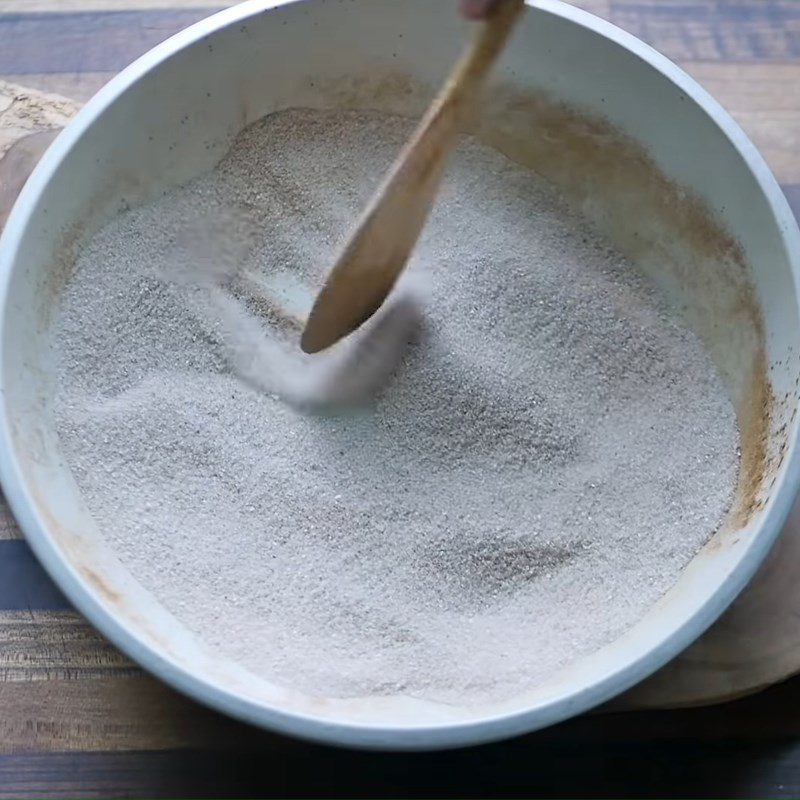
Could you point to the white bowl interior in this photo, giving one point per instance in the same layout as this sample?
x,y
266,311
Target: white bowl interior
x,y
667,179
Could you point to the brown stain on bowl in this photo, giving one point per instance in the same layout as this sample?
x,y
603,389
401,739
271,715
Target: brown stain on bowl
x,y
755,420
81,554
76,550
579,153
110,595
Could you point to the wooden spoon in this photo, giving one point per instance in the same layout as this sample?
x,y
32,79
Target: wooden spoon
x,y
373,258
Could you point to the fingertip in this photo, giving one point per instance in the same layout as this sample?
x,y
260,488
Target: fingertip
x,y
475,9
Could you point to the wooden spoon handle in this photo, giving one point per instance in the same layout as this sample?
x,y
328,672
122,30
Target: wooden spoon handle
x,y
377,251
422,159
490,38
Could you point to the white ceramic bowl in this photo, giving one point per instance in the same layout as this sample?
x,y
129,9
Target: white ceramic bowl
x,y
650,156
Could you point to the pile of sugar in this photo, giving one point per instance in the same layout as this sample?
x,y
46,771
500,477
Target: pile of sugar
x,y
546,459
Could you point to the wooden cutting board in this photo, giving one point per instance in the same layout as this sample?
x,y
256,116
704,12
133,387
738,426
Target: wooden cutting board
x,y
56,670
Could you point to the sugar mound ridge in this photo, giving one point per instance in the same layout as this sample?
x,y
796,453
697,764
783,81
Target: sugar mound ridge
x,y
543,462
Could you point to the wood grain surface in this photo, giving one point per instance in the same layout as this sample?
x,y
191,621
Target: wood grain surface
x,y
77,719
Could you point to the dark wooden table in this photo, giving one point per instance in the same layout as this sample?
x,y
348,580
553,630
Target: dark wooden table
x,y
77,719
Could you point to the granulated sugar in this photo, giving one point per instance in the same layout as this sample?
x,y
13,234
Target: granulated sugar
x,y
548,456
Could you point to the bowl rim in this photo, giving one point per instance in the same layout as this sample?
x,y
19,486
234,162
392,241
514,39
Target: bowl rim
x,y
364,735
